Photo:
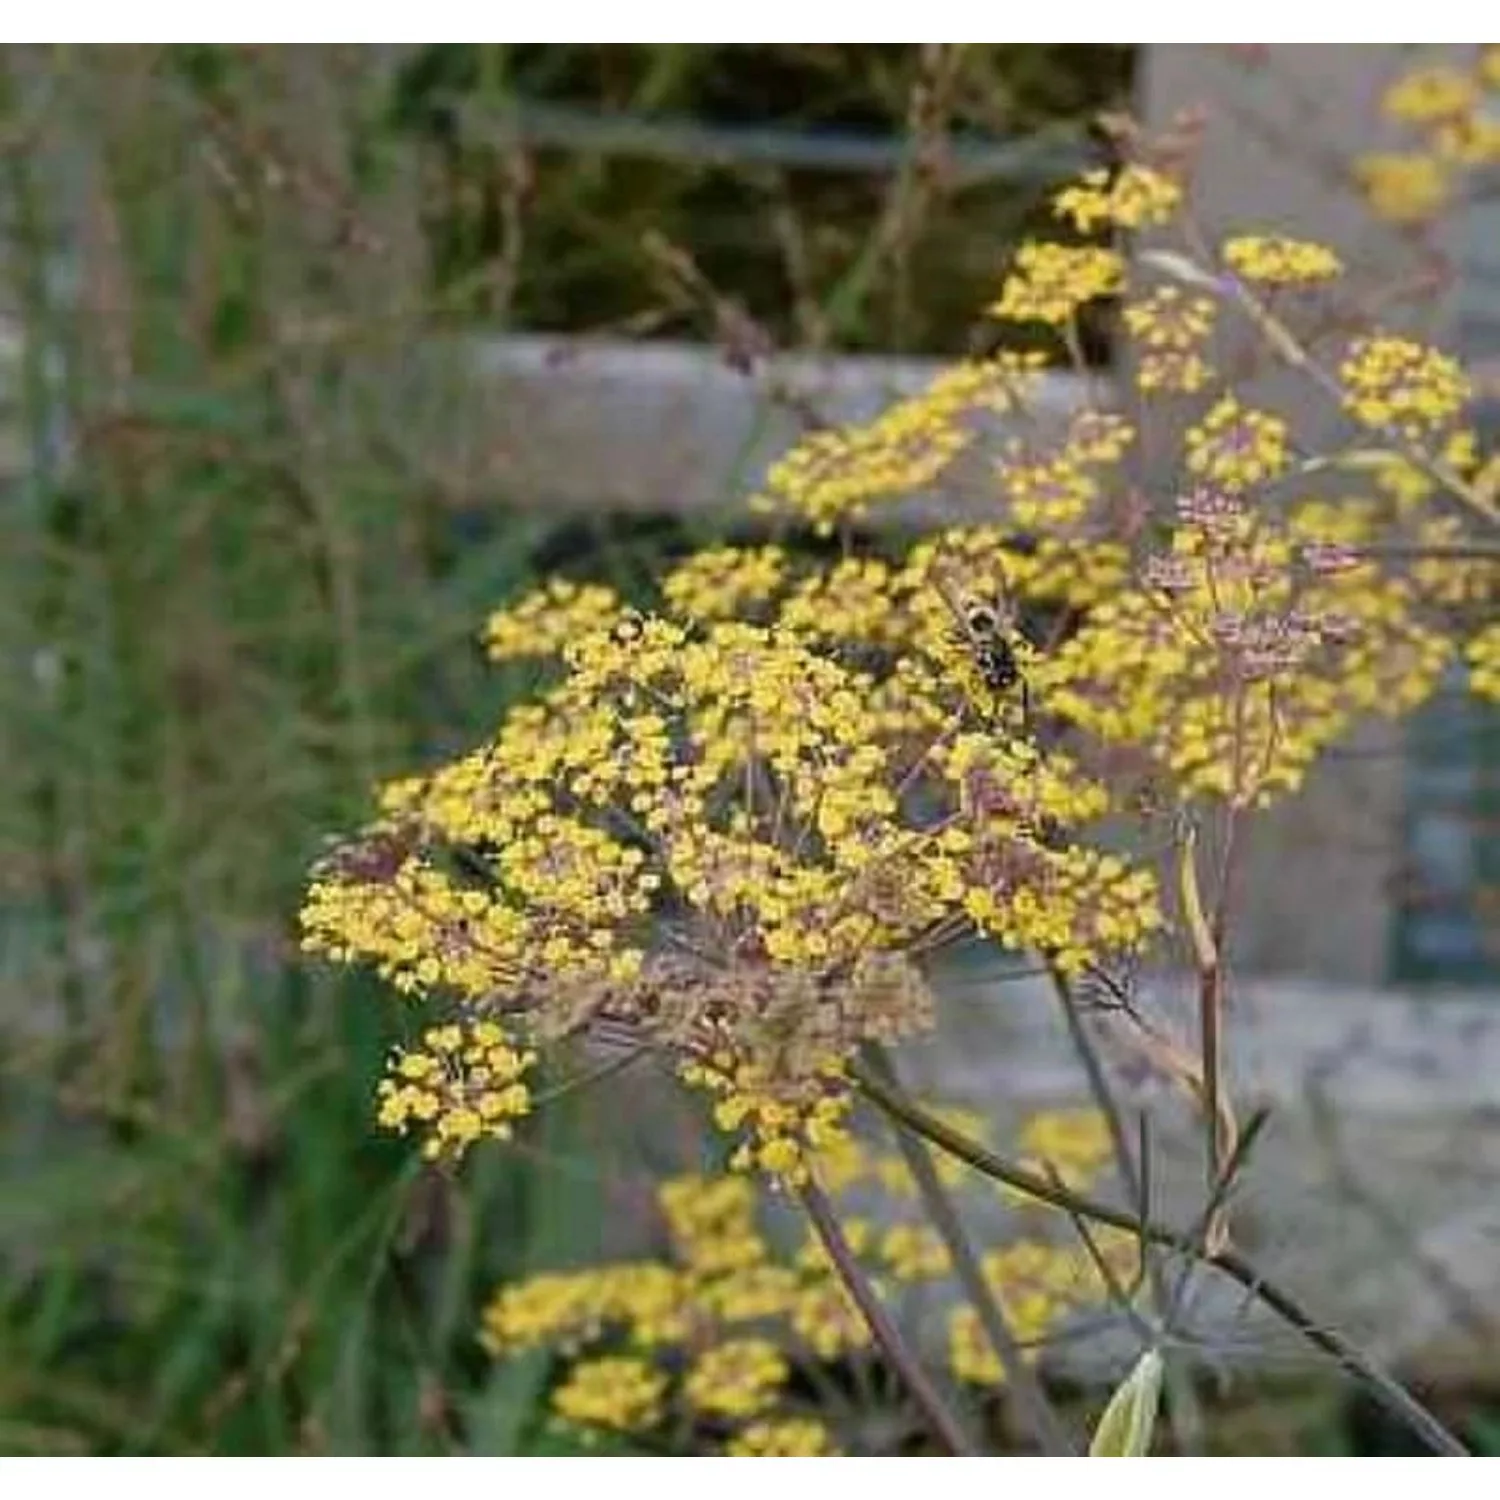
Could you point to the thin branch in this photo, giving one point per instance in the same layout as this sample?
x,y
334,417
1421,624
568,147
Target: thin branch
x,y
1121,1296
1143,1155
1045,1425
1229,1174
895,1348
1098,1080
591,1076
1389,1392
1285,344
1201,1235
1135,1168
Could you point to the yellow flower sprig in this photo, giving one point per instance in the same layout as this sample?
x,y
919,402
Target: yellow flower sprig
x,y
714,1328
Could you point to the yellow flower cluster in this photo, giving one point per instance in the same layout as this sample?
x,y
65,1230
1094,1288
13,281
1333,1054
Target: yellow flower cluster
x,y
1055,490
1050,492
1236,447
834,476
542,623
716,1298
727,839
1452,111
1428,95
574,1308
792,1437
1484,663
1404,187
855,600
1245,650
464,1083
1276,260
1087,903
715,1328
824,1318
724,583
915,1252
712,1222
1073,573
837,475
783,1119
617,1393
1469,143
740,1378
1051,282
1136,197
422,927
1396,382
1171,326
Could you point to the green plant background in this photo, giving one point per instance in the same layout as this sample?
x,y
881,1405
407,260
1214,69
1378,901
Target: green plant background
x,y
231,599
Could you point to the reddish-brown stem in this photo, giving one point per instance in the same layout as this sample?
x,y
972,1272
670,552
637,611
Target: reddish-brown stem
x,y
880,1323
1031,1400
1210,1008
1211,967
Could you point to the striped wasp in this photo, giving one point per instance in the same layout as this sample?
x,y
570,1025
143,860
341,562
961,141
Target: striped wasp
x,y
987,628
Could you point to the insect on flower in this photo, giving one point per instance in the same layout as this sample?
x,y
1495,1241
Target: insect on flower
x,y
987,628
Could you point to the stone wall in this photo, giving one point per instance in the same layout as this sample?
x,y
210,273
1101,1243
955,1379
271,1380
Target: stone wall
x,y
1374,1190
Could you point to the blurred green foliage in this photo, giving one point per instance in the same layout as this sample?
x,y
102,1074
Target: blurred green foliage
x,y
250,528
851,259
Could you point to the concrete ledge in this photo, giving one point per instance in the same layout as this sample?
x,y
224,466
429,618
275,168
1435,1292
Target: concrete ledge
x,y
672,427
1375,1190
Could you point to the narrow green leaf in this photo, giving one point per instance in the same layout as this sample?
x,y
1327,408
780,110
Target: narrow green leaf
x,y
1204,948
1179,268
1125,1429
